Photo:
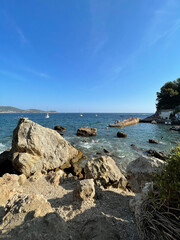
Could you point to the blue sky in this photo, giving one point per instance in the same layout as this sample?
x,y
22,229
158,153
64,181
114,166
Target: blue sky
x,y
87,55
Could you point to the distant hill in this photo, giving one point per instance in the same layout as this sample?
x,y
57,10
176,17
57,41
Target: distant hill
x,y
9,109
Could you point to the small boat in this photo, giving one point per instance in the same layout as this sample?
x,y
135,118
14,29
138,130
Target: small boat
x,y
81,115
126,122
47,115
96,115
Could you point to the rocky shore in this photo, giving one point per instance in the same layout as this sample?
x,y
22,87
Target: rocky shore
x,y
47,194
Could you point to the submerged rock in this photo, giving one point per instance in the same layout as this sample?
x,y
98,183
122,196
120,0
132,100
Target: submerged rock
x,y
140,171
105,172
35,148
86,132
121,134
153,141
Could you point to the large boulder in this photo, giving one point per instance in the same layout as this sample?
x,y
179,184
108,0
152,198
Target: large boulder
x,y
86,132
141,170
105,172
35,148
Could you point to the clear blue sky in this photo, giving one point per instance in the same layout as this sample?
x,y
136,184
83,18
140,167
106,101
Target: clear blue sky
x,y
87,55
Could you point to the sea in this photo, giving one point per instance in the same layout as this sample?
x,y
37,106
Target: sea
x,y
119,148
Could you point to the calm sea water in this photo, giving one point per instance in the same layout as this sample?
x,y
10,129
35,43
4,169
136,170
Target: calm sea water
x,y
106,137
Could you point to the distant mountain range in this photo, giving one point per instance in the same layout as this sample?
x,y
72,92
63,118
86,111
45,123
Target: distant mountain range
x,y
9,109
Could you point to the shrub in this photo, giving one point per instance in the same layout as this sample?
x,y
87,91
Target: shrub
x,y
167,182
159,217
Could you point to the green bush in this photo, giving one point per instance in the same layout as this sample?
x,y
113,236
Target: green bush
x,y
159,217
167,181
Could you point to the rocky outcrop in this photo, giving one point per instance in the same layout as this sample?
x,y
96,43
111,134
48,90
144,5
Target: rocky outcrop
x,y
121,134
105,172
140,171
86,132
35,148
84,190
153,141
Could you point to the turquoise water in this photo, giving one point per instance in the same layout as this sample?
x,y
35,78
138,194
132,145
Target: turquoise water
x,y
106,137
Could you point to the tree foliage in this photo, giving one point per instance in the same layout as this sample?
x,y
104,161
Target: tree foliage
x,y
169,95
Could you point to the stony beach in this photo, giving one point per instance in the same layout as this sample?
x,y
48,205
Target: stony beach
x,y
48,194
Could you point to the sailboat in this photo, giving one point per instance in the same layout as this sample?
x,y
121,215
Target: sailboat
x,y
47,115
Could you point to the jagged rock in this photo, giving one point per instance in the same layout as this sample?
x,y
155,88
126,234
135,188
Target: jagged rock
x,y
9,185
86,132
121,134
59,128
154,153
22,204
140,171
105,172
35,148
36,176
84,190
56,177
153,141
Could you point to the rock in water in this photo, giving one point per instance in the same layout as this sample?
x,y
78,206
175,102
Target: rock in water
x,y
153,141
140,171
121,134
105,172
86,132
35,148
59,128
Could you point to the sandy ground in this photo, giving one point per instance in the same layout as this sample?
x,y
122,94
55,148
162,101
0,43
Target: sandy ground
x,y
106,217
